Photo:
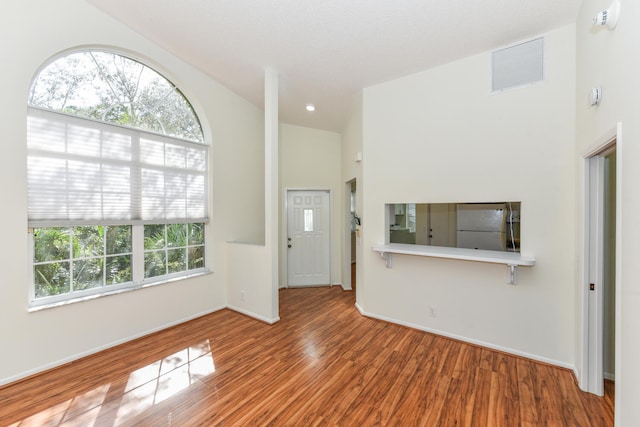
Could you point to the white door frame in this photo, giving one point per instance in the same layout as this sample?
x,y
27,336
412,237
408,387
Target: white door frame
x,y
594,271
285,231
591,376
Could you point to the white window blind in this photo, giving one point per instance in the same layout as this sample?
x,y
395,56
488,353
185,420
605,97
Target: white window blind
x,y
82,171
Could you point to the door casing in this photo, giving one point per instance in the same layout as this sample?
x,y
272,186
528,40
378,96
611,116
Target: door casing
x,y
590,374
346,251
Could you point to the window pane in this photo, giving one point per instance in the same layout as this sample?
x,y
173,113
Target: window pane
x,y
154,264
118,239
196,257
51,244
176,235
100,256
177,260
118,269
308,220
411,217
154,237
51,279
196,234
88,241
87,274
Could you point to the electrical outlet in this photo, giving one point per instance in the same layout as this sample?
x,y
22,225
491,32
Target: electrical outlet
x,y
432,312
243,294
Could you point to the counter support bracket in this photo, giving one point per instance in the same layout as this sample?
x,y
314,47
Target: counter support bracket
x,y
513,274
386,256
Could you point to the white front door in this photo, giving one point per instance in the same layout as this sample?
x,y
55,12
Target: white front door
x,y
308,238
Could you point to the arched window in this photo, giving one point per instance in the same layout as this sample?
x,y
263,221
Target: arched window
x,y
115,89
117,178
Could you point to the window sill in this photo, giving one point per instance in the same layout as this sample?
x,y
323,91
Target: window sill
x,y
32,308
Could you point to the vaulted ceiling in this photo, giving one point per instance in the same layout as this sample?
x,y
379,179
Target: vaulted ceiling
x,y
327,51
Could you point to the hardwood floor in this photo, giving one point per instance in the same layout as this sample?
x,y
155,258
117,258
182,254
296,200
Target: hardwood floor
x,y
322,365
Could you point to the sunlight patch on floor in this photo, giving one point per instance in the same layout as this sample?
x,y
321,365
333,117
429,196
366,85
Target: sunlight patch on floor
x,y
145,387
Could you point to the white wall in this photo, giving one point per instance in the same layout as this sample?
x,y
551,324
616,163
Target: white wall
x,y
32,32
611,59
310,159
249,286
253,268
441,136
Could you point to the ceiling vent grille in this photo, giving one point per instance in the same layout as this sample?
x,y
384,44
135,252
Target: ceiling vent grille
x,y
517,66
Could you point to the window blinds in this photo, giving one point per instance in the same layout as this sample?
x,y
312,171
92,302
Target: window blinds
x,y
82,171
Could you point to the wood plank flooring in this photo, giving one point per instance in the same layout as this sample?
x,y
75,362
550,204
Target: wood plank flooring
x,y
322,365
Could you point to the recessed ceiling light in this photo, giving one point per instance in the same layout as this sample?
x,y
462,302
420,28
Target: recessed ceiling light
x,y
310,107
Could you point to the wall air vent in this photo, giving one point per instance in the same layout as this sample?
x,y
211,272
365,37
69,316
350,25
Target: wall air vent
x,y
518,65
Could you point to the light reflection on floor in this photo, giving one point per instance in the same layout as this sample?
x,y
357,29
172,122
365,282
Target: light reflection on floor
x,y
85,403
145,387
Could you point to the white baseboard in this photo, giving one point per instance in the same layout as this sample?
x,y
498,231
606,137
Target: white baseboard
x,y
609,376
94,350
469,340
344,288
254,315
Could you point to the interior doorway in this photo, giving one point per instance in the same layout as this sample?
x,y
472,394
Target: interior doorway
x,y
308,238
351,226
599,284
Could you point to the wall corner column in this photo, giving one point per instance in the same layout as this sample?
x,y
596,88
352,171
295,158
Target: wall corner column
x,y
271,127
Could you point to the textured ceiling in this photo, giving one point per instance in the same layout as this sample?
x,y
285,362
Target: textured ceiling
x,y
326,51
